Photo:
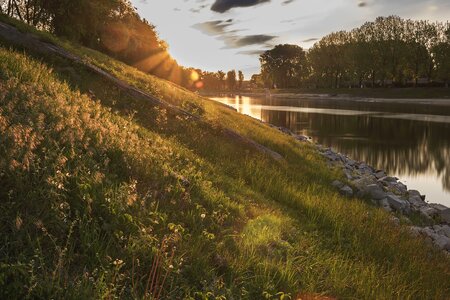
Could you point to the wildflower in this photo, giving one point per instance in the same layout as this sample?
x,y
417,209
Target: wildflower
x,y
118,262
203,216
19,222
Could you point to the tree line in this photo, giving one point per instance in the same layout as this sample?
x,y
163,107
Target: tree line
x,y
390,51
115,28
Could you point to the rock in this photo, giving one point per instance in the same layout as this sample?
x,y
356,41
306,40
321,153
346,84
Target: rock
x,y
348,174
380,174
351,162
442,230
396,203
442,242
403,188
416,201
442,211
363,182
414,193
337,184
375,192
388,179
385,205
346,191
301,138
428,212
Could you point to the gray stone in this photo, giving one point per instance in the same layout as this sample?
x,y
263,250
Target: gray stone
x,y
414,193
348,174
363,182
380,174
351,162
416,201
388,179
385,205
428,211
375,192
442,230
442,242
346,191
442,211
337,184
396,203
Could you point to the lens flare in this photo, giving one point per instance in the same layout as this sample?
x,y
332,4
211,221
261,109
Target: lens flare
x,y
195,76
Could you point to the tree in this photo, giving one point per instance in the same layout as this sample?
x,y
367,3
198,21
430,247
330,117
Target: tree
x,y
284,65
441,54
241,78
221,76
231,80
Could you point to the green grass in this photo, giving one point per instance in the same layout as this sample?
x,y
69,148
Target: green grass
x,y
103,194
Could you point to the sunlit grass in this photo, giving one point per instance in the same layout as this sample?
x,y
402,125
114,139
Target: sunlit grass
x,y
96,190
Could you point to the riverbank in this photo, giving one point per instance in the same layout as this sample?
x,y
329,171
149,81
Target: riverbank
x,y
116,184
375,93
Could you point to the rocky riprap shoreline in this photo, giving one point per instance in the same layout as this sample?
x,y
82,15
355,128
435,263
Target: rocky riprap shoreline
x,y
364,181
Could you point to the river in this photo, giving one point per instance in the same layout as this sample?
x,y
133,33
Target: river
x,y
409,139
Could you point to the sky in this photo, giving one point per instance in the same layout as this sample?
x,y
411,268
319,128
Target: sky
x,y
231,34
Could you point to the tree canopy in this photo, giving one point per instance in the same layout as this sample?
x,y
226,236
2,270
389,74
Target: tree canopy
x,y
388,51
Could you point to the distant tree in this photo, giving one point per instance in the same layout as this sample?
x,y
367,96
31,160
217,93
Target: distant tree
x,y
231,80
221,76
441,54
284,65
241,78
256,80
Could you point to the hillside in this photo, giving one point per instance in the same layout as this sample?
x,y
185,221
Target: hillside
x,y
116,184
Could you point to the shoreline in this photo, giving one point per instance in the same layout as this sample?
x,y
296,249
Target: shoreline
x,y
364,182
337,97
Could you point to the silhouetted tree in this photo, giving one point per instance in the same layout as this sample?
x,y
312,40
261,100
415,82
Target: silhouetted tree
x,y
241,78
231,80
284,65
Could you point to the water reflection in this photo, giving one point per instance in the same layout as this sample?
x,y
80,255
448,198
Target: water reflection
x,y
411,145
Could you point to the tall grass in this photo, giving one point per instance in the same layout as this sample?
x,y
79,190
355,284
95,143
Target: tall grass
x,y
105,196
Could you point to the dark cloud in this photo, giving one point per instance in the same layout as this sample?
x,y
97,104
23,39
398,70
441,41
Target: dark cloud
x,y
222,6
286,2
197,10
259,39
362,3
220,28
234,41
310,40
252,52
214,27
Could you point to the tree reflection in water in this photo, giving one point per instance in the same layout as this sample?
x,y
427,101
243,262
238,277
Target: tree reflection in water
x,y
399,146
410,140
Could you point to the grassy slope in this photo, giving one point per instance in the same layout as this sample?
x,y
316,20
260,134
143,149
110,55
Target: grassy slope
x,y
95,184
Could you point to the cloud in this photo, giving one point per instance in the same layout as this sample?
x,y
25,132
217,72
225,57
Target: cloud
x,y
259,39
214,27
220,28
286,2
252,52
222,6
234,41
362,4
310,40
197,10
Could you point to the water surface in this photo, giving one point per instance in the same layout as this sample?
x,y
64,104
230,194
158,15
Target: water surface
x,y
409,140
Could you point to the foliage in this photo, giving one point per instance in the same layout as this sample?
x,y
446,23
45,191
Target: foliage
x,y
283,66
387,52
